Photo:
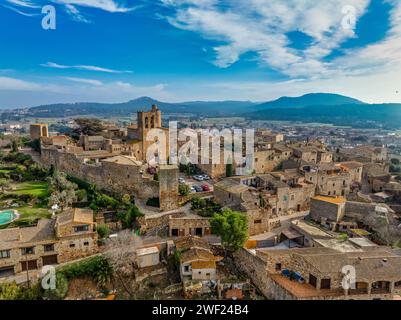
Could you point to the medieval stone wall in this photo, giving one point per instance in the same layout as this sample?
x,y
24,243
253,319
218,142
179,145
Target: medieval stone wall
x,y
113,177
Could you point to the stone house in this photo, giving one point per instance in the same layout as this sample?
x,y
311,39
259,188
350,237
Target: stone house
x,y
189,225
327,208
354,168
76,234
377,273
329,179
28,248
197,261
70,235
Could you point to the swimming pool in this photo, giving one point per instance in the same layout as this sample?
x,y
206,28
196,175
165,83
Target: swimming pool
x,y
7,216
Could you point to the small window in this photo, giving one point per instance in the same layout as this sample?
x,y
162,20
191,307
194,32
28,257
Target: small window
x,y
186,268
28,250
48,247
72,245
278,266
81,228
257,221
86,243
5,254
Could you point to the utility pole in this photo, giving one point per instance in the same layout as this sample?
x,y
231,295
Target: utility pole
x,y
27,270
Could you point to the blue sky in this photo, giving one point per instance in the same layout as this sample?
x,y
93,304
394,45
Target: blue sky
x,y
176,50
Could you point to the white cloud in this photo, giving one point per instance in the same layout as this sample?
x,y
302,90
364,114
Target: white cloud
x,y
106,5
23,3
83,67
86,81
112,6
260,26
75,14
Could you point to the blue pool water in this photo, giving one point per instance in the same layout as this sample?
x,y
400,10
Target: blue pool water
x,y
7,216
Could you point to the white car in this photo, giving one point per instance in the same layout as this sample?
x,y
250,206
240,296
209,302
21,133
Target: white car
x,y
181,180
198,178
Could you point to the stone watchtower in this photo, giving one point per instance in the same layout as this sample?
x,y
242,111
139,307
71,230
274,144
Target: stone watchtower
x,y
168,187
38,130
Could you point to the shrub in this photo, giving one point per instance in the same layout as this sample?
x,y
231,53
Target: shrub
x,y
198,203
61,289
103,231
183,189
99,268
9,291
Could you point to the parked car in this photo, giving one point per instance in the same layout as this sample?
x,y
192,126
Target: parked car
x,y
198,178
181,180
198,188
205,177
205,187
193,189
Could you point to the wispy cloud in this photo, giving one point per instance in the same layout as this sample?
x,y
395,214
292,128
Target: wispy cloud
x,y
75,14
83,67
70,6
23,3
86,81
106,5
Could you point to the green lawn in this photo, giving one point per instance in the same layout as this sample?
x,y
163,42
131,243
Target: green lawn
x,y
33,188
5,170
35,212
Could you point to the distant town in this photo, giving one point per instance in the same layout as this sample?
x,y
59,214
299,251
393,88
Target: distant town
x,y
85,215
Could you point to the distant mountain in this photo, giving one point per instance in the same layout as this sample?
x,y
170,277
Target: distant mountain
x,y
208,108
311,99
330,109
315,107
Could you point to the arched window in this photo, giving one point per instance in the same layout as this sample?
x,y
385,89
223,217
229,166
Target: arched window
x,y
152,122
146,122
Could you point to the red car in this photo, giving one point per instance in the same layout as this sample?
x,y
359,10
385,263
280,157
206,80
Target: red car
x,y
205,187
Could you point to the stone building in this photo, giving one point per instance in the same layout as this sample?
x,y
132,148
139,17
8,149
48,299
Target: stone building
x,y
76,234
264,198
364,154
38,130
197,261
71,235
189,225
327,208
354,168
137,133
168,187
320,270
329,179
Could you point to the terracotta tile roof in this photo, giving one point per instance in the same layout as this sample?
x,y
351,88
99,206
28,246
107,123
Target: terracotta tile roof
x,y
75,215
189,242
196,254
211,264
351,164
336,200
17,237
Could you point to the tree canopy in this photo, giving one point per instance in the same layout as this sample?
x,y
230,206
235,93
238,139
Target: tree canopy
x,y
232,227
